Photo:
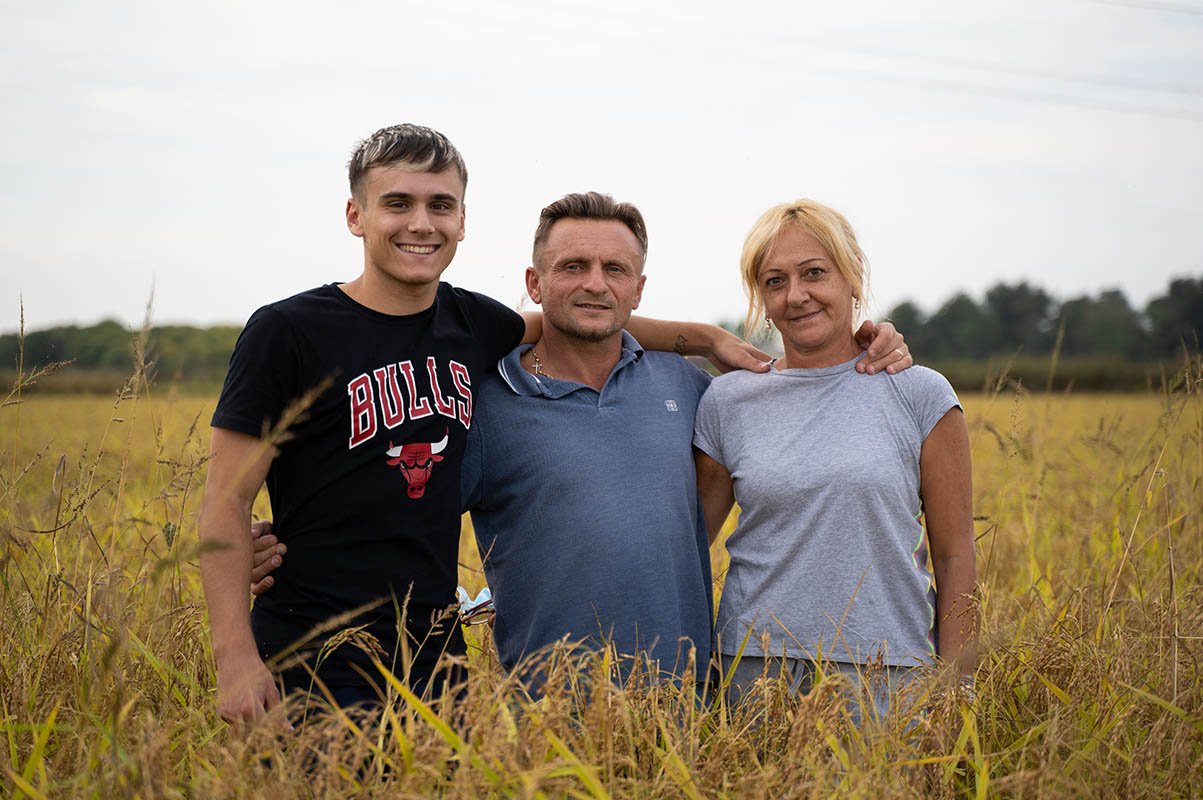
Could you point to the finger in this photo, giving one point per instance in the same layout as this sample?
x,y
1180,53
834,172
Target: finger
x,y
746,357
261,586
264,566
866,335
265,547
893,358
271,697
758,365
901,364
884,339
260,527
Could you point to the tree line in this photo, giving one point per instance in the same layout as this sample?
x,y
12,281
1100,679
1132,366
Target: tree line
x,y
101,354
1021,318
1102,342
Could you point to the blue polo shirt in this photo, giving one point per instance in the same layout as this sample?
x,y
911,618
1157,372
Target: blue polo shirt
x,y
586,511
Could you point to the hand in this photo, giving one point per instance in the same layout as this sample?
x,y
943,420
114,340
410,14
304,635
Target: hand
x,y
268,554
245,689
728,352
886,349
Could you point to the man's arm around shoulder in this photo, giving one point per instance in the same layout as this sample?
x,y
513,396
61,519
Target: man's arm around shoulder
x,y
237,469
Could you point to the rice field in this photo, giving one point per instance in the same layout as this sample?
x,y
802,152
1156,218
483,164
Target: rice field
x,y
1089,557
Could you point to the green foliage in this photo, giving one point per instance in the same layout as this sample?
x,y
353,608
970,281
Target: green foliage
x,y
1177,316
101,355
1094,337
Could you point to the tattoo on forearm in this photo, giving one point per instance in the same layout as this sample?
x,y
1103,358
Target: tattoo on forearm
x,y
679,347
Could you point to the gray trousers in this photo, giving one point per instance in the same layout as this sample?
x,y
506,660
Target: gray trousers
x,y
874,698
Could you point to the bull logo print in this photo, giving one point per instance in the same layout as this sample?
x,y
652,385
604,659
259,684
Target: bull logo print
x,y
416,460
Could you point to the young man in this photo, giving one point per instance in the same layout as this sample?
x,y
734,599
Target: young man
x,y
353,401
364,473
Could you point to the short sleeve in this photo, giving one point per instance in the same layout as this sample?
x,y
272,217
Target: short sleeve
x,y
706,434
931,397
471,476
701,379
498,329
262,376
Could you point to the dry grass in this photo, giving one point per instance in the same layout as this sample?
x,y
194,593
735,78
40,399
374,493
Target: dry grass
x,y
1089,552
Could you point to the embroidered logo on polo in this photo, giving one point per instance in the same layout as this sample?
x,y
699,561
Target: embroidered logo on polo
x,y
671,405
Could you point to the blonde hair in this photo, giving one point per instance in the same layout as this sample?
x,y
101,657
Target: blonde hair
x,y
827,225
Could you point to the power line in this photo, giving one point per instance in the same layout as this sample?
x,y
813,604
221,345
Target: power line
x,y
664,35
1173,8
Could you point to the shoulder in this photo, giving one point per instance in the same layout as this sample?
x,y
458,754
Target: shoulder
x,y
496,327
671,370
308,302
474,302
297,308
738,382
926,394
920,382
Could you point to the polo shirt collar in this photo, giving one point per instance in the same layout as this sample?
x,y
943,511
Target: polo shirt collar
x,y
525,384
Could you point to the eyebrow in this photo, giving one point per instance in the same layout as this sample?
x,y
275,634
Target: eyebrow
x,y
799,264
443,196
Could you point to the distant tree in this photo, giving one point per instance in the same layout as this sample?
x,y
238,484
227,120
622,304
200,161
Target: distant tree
x,y
958,329
105,346
912,322
1105,325
1177,317
1022,317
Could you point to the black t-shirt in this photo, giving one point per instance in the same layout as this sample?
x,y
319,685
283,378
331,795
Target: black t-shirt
x,y
365,490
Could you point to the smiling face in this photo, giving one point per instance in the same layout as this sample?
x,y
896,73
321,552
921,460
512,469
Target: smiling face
x,y
808,299
588,278
410,223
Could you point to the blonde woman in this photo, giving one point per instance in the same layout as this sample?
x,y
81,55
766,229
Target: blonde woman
x,y
844,481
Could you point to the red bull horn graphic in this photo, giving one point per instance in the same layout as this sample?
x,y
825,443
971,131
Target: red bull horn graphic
x,y
416,461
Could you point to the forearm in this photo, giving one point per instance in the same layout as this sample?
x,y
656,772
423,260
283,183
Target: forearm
x,y
225,564
945,474
957,616
686,338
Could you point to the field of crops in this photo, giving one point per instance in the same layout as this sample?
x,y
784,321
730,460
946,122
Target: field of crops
x,y
1089,555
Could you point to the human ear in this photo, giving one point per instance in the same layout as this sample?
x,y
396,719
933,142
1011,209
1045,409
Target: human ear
x,y
354,224
533,289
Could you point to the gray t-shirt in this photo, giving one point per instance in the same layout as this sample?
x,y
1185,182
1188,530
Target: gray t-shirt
x,y
829,557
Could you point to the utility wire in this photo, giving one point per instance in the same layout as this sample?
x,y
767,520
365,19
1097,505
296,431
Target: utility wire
x,y
1173,8
663,35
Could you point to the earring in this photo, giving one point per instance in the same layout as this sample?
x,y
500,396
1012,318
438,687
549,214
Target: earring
x,y
856,304
768,325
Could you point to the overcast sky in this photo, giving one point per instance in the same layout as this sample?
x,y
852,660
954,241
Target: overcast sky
x,y
200,148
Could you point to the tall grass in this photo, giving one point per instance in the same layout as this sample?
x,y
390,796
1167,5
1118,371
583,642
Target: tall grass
x,y
1089,553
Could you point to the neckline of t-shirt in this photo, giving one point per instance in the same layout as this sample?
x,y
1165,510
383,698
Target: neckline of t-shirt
x,y
419,317
816,372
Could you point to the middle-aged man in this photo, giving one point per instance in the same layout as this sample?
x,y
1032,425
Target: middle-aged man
x,y
578,468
